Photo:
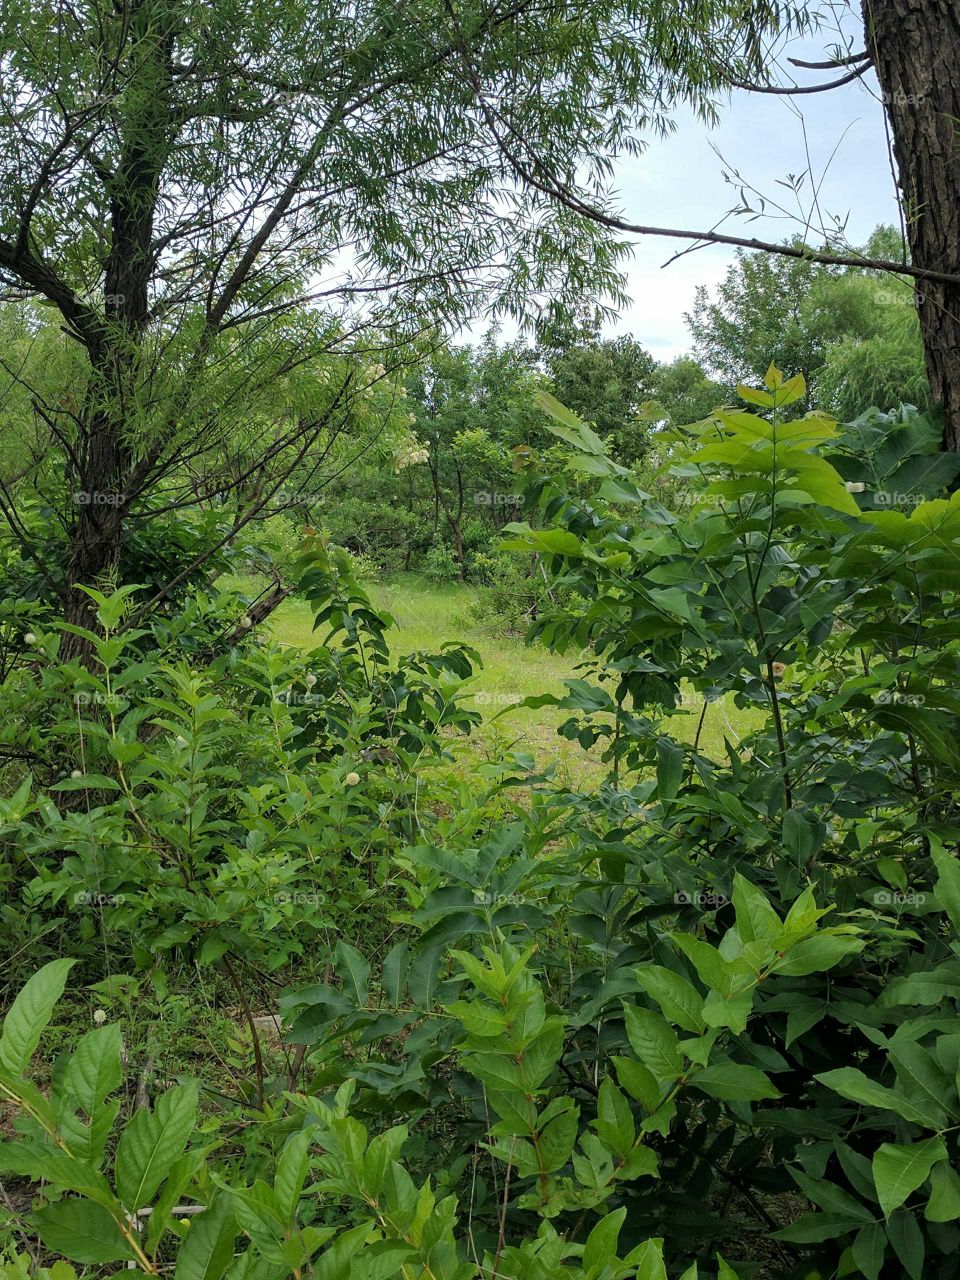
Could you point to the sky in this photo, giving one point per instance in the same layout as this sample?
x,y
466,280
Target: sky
x,y
679,182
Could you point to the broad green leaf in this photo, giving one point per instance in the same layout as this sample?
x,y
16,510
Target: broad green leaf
x,y
898,1169
570,428
814,955
811,1228
208,1249
678,998
756,919
825,1195
944,1202
851,1083
669,768
81,1231
903,1232
614,1121
947,889
869,1249
654,1042
648,1259
95,1069
353,971
151,1144
29,1014
752,396
734,1082
601,1243
639,1081
292,1170
177,1180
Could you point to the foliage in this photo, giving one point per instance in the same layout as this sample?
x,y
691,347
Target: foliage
x,y
852,335
814,599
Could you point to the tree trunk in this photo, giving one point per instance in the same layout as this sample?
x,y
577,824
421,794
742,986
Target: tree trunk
x,y
916,50
100,502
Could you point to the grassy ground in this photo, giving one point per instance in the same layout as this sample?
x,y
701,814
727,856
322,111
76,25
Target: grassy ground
x,y
428,613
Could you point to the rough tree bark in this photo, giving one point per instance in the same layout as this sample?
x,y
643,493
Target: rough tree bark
x,y
106,466
915,45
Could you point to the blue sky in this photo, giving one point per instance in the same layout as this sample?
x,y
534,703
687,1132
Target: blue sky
x,y
679,182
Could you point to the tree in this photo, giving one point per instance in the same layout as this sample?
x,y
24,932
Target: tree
x,y
852,334
472,406
757,316
605,381
682,393
214,198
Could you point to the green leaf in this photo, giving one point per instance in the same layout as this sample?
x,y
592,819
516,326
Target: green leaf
x,y
183,1171
947,889
799,836
601,1244
825,1195
898,1169
944,1202
811,1228
292,1170
614,1119
654,1042
756,919
851,1083
558,1138
38,1162
734,1082
29,1015
814,955
151,1144
669,768
903,1232
677,997
81,1231
353,971
869,1249
648,1259
208,1249
571,428
639,1082
752,396
95,1069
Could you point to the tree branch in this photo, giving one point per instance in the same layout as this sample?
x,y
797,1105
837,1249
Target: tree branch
x,y
790,92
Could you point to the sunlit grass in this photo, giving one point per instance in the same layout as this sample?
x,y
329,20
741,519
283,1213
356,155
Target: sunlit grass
x,y
428,613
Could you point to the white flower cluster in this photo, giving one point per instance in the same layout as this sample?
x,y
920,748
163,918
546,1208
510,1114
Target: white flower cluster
x,y
409,455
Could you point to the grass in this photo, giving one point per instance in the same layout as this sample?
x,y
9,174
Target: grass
x,y
427,613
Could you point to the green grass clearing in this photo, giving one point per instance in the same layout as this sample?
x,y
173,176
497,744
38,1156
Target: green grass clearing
x,y
428,613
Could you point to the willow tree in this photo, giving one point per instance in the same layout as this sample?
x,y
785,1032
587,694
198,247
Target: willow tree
x,y
212,196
